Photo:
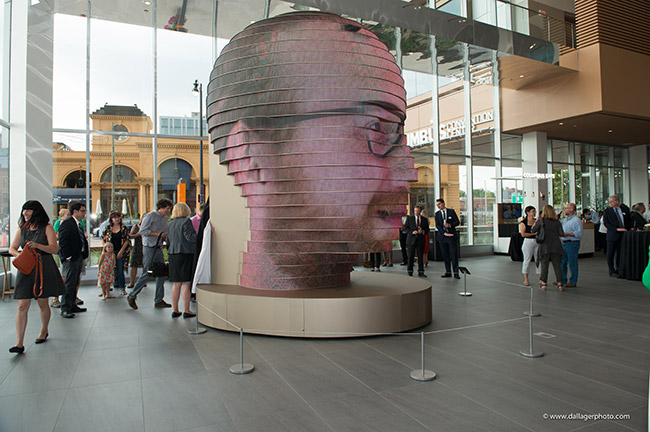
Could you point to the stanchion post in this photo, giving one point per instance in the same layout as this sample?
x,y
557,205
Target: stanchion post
x,y
241,368
465,272
197,330
422,374
531,353
530,311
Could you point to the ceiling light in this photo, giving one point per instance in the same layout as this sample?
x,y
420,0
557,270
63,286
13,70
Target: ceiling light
x,y
561,123
521,76
611,130
147,2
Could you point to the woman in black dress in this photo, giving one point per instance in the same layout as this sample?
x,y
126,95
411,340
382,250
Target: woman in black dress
x,y
181,245
36,231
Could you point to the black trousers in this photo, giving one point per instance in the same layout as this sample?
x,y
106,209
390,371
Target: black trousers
x,y
449,250
411,249
375,259
71,273
402,245
614,248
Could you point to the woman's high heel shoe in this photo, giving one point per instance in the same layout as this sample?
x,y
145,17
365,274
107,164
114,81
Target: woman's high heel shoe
x,y
40,341
560,288
17,349
542,286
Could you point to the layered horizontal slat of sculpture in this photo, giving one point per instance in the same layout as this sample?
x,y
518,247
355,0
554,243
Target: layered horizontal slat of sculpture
x,y
307,112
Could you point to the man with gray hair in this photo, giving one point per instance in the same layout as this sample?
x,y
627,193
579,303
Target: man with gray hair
x,y
572,227
617,221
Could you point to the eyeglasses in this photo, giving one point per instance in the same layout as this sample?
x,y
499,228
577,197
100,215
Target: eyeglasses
x,y
382,135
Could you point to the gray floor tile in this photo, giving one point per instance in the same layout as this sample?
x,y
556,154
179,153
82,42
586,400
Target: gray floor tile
x,y
106,407
107,366
291,420
183,400
440,408
260,393
38,370
31,412
166,358
228,426
318,380
370,413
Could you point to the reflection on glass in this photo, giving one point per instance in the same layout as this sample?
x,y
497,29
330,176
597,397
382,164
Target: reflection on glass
x,y
561,185
69,72
484,191
4,187
511,147
115,48
453,184
4,57
602,188
560,151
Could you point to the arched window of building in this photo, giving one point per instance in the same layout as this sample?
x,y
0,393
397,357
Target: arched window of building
x,y
171,172
76,179
123,174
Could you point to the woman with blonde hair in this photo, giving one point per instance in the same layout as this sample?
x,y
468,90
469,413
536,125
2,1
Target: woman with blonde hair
x,y
550,249
181,245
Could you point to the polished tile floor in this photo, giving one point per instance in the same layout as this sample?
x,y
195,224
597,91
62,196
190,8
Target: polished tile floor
x,y
115,369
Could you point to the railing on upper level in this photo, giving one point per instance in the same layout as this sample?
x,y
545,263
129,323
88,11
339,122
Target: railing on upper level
x,y
510,16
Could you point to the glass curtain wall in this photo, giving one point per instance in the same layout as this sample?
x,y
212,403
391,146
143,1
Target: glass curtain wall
x,y
587,174
116,72
5,38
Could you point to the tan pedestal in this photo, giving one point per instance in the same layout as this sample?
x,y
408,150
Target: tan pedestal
x,y
372,303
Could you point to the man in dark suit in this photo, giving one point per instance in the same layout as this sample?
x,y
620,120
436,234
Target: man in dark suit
x,y
402,242
446,223
617,220
73,249
416,228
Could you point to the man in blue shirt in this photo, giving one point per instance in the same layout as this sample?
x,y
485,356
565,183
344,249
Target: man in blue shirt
x,y
572,227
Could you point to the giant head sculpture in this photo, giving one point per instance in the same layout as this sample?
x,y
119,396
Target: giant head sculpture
x,y
307,111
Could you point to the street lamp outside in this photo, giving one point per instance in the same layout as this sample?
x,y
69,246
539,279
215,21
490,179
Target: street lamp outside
x,y
198,89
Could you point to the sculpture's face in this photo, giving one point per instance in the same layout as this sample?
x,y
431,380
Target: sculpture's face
x,y
309,118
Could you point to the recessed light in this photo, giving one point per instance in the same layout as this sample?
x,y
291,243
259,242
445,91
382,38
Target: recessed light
x,y
611,130
521,76
147,2
575,125
561,123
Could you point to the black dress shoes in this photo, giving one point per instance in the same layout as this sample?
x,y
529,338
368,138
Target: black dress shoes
x,y
410,273
17,349
66,314
188,315
421,274
176,314
78,309
446,275
456,275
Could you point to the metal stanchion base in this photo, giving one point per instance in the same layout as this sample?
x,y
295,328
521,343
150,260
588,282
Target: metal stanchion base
x,y
464,294
241,369
423,375
531,354
197,331
535,314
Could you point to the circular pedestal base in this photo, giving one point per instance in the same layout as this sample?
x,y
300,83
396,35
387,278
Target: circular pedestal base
x,y
371,304
531,354
420,375
241,369
464,294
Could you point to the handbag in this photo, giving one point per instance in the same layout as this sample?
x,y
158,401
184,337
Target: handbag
x,y
541,233
26,260
158,268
